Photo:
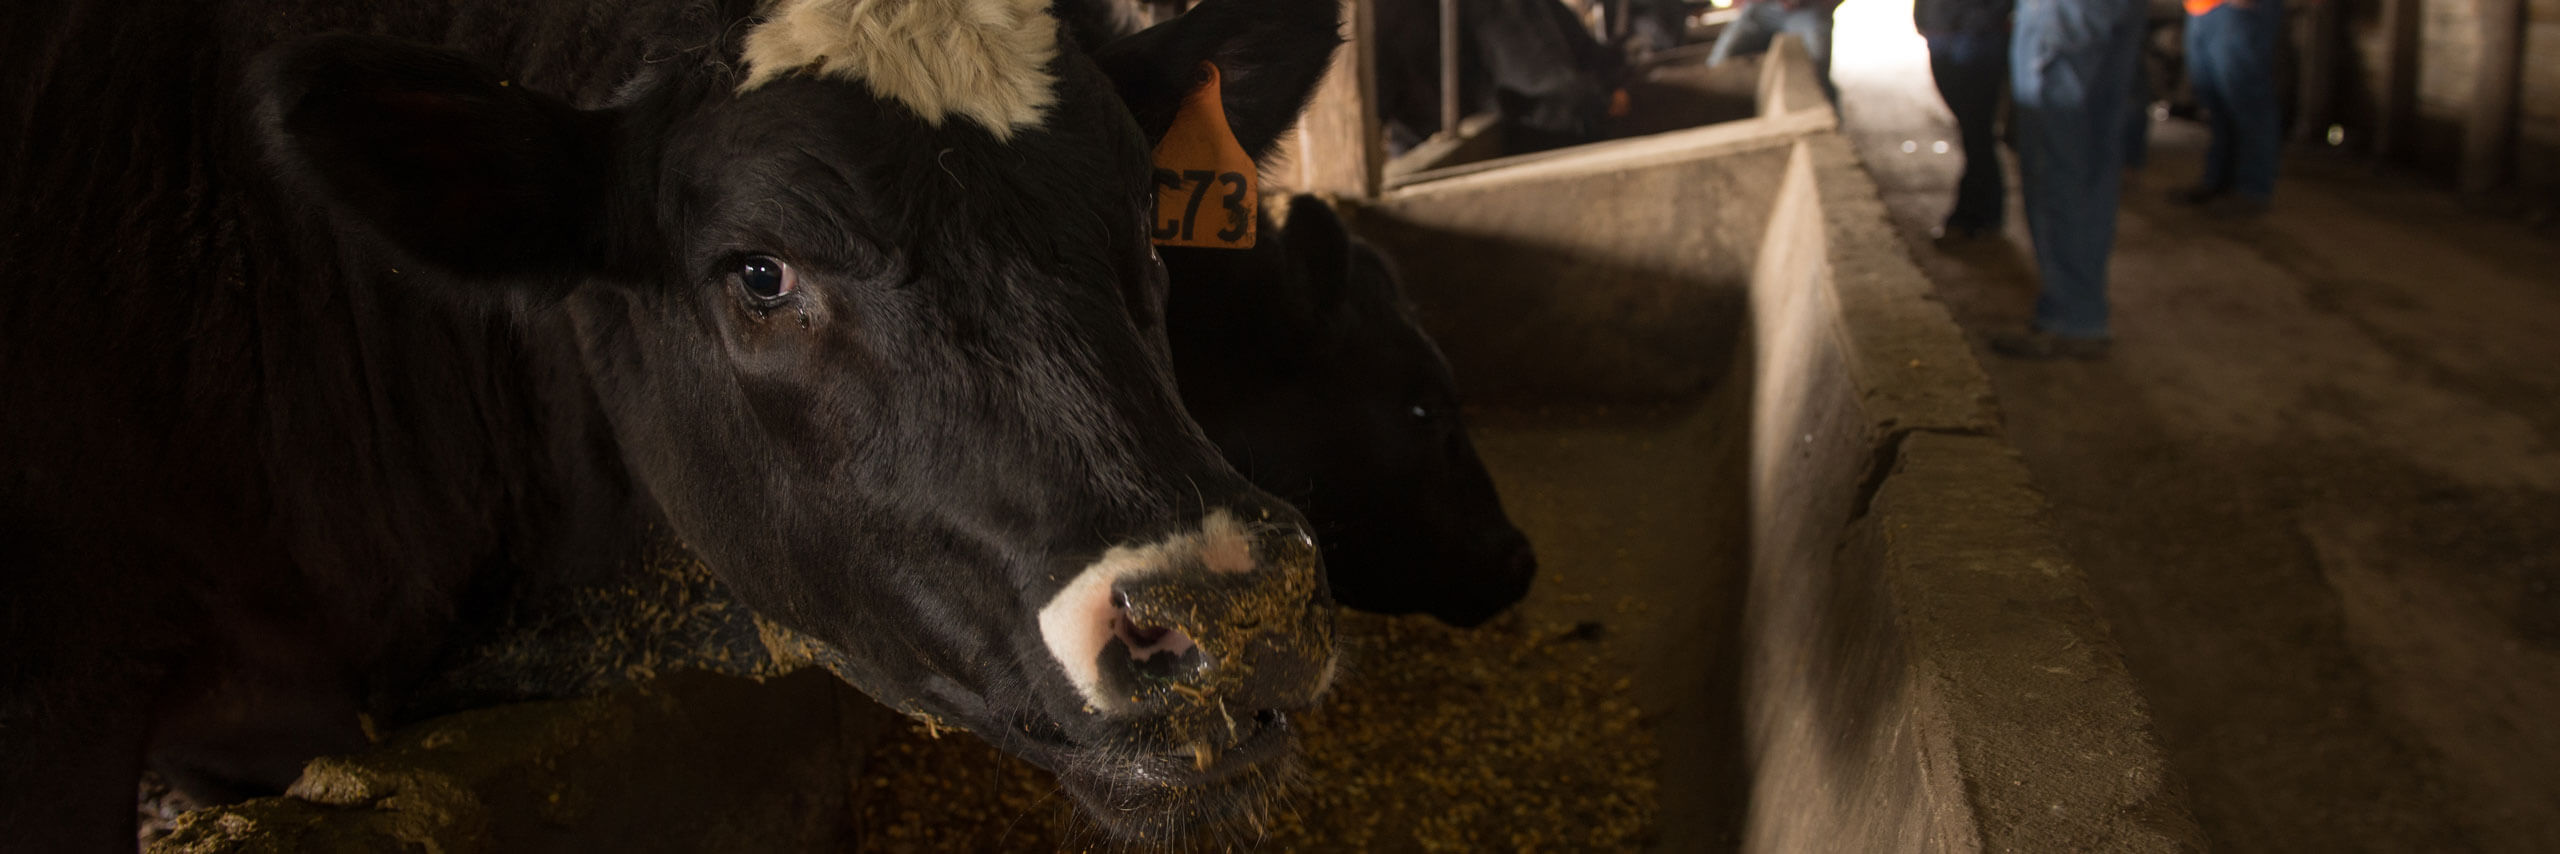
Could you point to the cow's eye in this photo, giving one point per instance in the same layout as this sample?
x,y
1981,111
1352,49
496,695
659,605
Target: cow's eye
x,y
765,278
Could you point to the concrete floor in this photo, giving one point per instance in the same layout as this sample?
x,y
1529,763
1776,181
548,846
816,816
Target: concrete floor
x,y
2316,489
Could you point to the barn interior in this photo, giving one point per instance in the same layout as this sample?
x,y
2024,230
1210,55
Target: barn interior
x,y
1819,572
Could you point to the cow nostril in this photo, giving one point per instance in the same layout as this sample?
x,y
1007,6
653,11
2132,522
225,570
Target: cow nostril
x,y
1169,666
1158,652
1146,641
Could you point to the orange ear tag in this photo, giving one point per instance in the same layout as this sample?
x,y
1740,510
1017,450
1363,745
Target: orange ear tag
x,y
1206,188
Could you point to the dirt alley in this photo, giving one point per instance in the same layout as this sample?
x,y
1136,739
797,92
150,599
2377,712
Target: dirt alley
x,y
2316,488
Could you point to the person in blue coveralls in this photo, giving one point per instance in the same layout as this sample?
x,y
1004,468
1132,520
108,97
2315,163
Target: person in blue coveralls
x,y
2231,58
2071,66
1969,59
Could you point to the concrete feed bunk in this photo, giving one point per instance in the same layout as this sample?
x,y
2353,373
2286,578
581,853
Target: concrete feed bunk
x,y
1760,467
1915,667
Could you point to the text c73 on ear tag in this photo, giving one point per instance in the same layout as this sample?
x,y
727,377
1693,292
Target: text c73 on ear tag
x,y
1206,188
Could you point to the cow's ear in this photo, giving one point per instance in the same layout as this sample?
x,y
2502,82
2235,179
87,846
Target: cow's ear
x,y
452,162
1269,53
1320,251
1318,243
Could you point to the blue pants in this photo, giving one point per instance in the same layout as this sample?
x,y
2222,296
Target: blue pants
x,y
1764,20
1971,69
2070,69
2231,53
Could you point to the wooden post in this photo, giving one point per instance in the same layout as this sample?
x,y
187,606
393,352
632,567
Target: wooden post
x,y
2396,114
1449,110
1339,148
2488,136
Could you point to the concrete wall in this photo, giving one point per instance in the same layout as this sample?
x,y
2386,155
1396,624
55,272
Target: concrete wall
x,y
1919,668
2447,41
1923,672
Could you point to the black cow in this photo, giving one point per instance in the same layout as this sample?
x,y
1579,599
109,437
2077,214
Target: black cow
x,y
1530,60
331,323
1302,361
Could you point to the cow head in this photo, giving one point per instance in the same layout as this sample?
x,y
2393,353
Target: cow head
x,y
1305,365
867,298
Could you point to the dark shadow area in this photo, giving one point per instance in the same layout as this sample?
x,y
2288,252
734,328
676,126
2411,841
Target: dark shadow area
x,y
1530,324
1684,96
1639,514
1612,403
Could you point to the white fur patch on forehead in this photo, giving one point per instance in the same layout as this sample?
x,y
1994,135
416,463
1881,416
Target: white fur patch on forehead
x,y
986,60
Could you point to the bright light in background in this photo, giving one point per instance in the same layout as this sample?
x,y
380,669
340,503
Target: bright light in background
x,y
1874,37
2337,135
1881,66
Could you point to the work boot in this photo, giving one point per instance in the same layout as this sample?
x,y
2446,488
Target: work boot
x,y
2041,346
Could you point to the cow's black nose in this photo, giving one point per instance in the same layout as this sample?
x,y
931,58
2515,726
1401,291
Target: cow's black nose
x,y
1247,623
1204,624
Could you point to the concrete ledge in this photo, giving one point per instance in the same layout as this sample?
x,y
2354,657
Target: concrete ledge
x,y
2017,687
1787,83
1920,671
1479,137
1789,104
1912,366
1924,672
1616,155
